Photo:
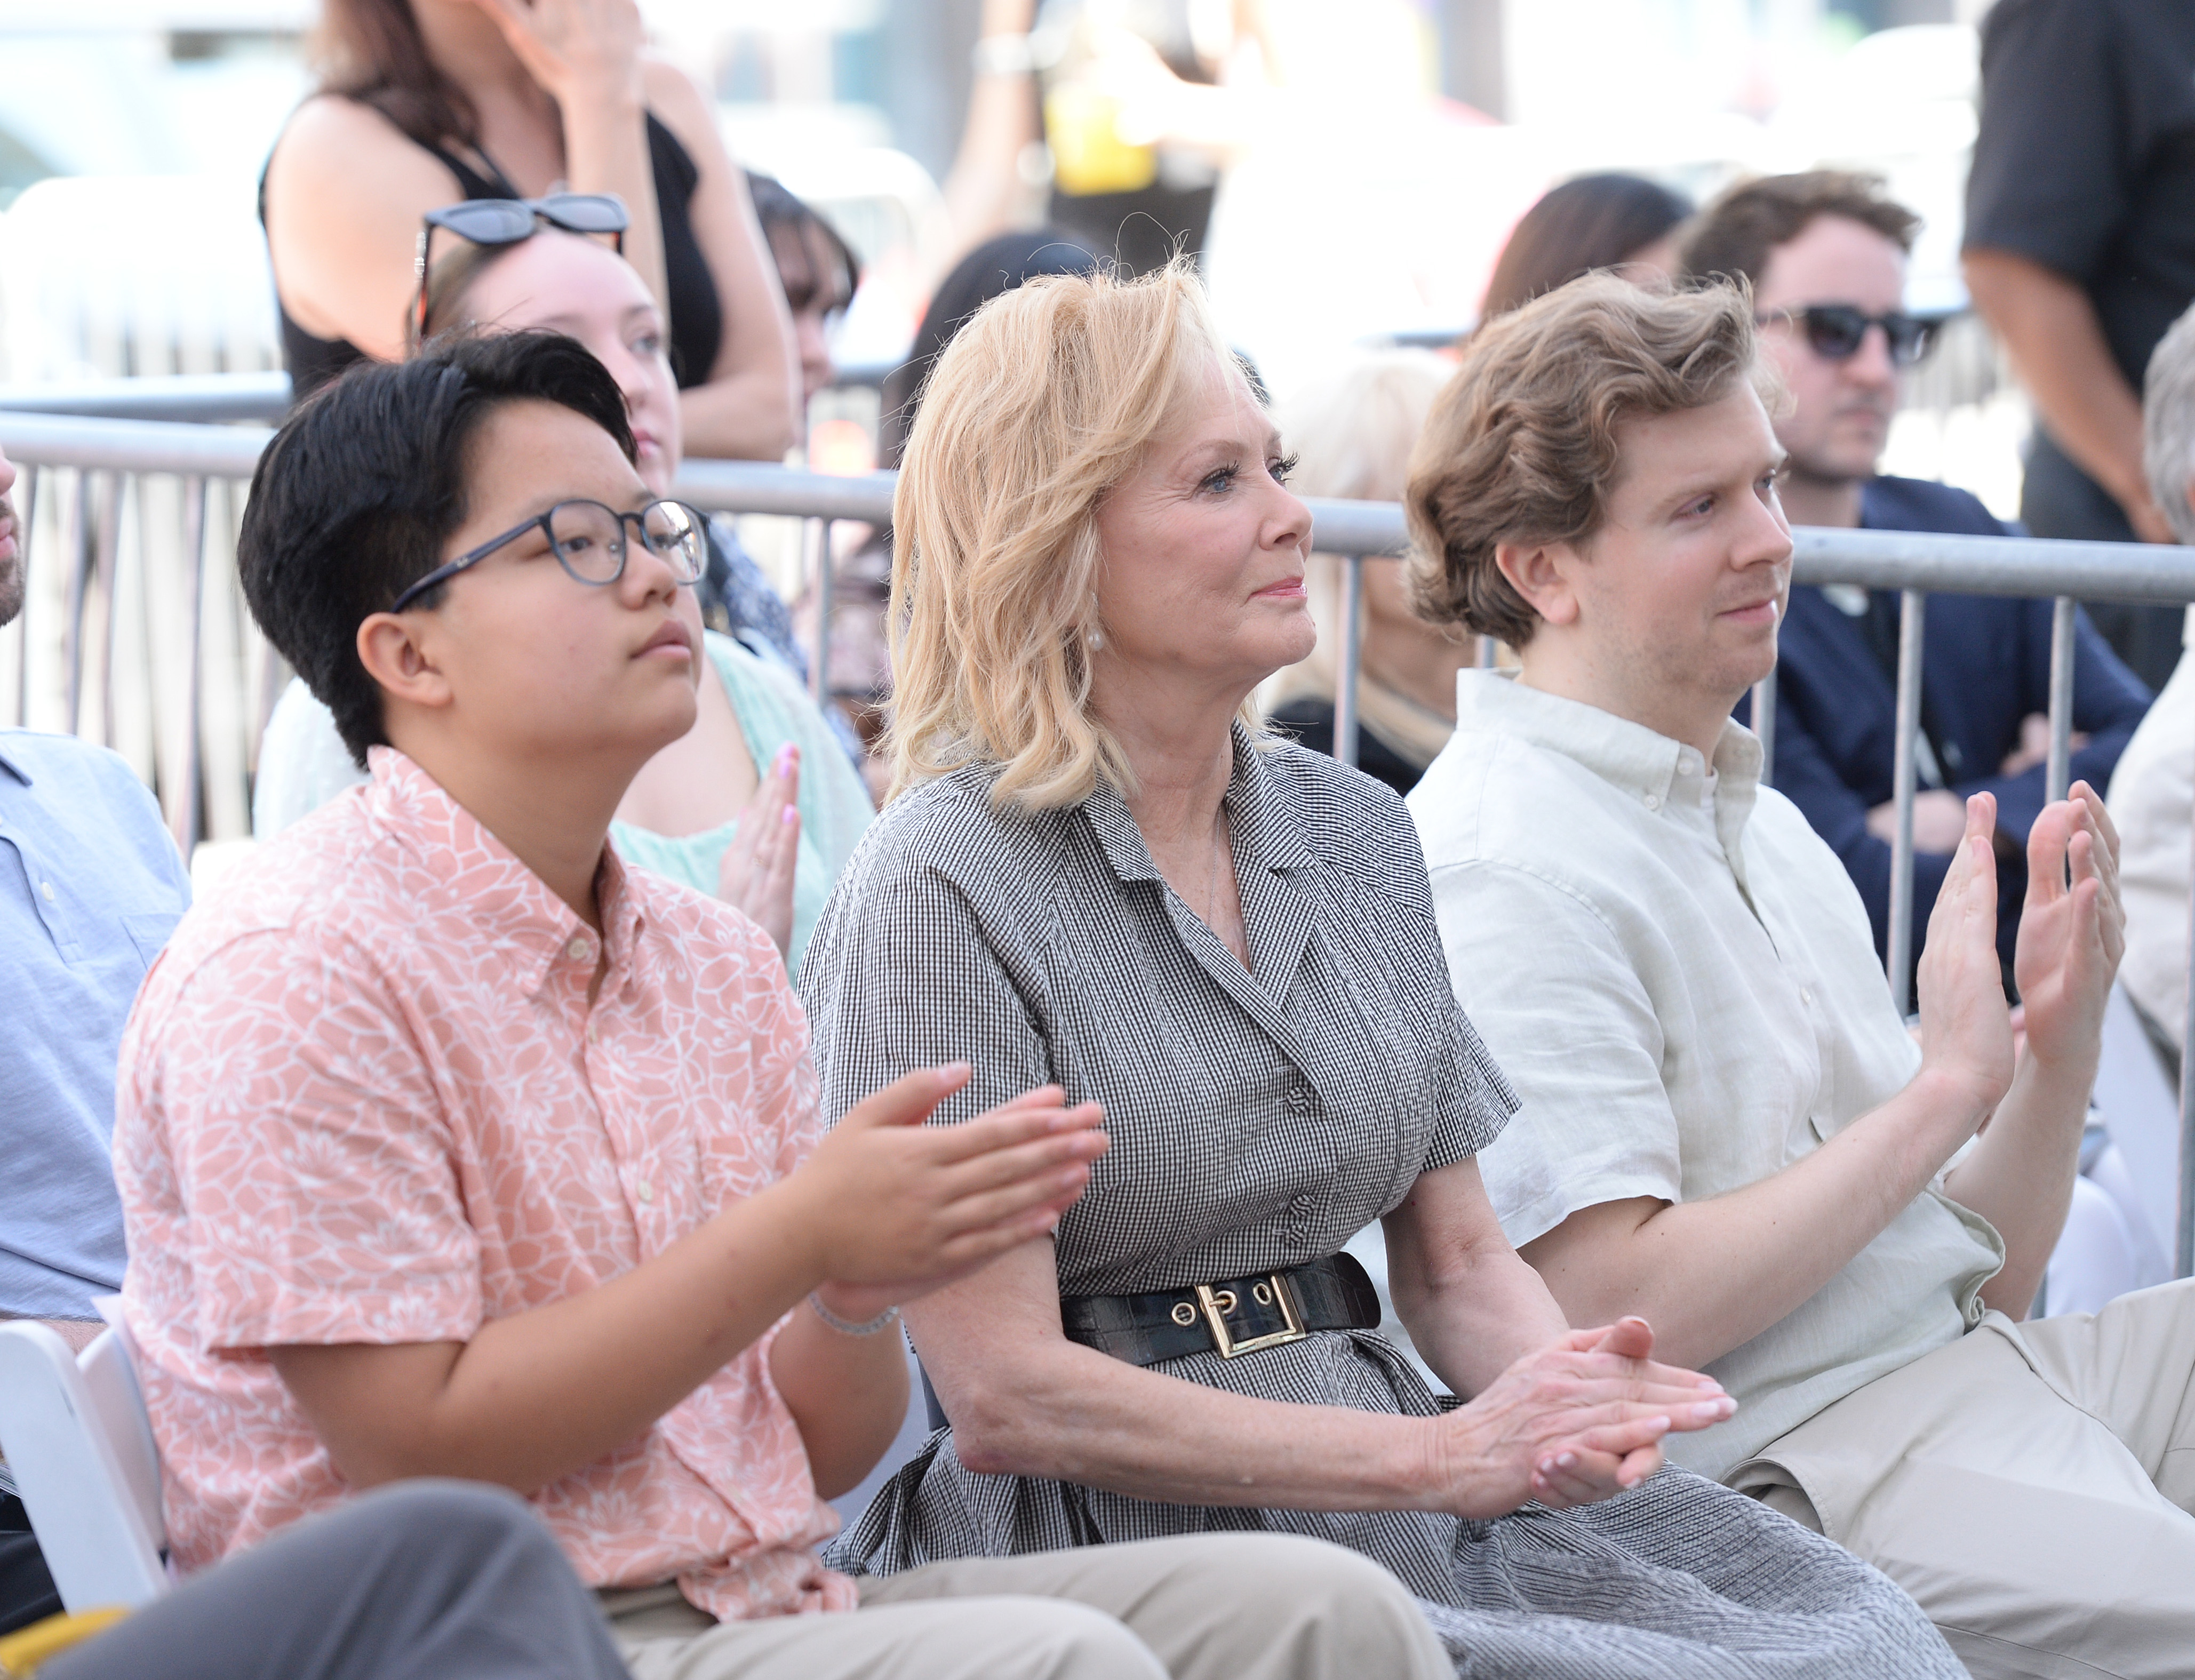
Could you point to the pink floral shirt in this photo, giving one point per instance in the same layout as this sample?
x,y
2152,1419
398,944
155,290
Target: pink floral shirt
x,y
363,1098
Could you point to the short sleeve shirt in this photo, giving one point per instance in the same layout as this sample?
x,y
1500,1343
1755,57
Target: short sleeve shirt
x,y
90,886
1679,979
1259,1116
365,1098
2085,159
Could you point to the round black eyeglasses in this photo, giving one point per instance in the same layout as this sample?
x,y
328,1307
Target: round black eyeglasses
x,y
588,541
1835,331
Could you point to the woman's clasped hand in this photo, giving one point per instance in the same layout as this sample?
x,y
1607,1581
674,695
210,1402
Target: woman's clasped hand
x,y
1581,1419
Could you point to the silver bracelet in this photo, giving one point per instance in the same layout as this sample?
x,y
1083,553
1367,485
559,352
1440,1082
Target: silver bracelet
x,y
846,1326
1004,55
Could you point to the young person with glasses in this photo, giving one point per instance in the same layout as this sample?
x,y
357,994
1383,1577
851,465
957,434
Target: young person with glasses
x,y
450,1145
759,803
1825,256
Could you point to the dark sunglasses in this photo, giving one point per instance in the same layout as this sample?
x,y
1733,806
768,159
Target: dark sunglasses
x,y
505,222
1835,331
588,541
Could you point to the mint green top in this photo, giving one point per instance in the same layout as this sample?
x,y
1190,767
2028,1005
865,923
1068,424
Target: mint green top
x,y
303,764
773,709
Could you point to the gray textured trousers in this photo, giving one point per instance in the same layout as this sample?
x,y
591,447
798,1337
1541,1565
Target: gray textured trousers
x,y
428,1580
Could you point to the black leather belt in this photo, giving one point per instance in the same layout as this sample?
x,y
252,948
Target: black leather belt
x,y
1234,1318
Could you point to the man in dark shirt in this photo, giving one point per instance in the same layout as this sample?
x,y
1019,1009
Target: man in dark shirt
x,y
2080,251
1826,255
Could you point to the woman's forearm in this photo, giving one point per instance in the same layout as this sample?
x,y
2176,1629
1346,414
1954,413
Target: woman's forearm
x,y
745,415
606,151
1067,1412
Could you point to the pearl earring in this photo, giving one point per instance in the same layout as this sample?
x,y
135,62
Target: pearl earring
x,y
1096,640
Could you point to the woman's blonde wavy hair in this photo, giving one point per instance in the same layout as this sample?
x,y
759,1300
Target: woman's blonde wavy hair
x,y
1040,404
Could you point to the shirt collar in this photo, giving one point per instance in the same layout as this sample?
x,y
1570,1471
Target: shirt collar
x,y
533,928
1663,775
22,775
1263,829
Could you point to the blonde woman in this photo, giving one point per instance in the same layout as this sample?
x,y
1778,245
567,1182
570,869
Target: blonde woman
x,y
1095,874
1352,432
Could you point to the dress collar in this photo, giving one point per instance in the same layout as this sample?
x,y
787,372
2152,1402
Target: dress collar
x,y
1262,825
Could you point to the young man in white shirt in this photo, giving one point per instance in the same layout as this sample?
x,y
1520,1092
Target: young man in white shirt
x,y
1725,1127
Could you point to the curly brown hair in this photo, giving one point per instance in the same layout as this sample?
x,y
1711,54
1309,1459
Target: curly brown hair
x,y
1523,445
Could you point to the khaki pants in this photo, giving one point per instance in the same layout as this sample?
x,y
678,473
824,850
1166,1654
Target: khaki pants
x,y
1207,1606
2030,1485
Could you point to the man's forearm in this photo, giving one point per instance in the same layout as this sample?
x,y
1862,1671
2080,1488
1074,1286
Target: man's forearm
x,y
1711,1276
2020,1177
2050,330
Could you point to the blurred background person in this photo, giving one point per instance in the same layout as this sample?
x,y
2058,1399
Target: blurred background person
x,y
757,804
425,102
2152,791
1826,255
1614,221
994,268
1139,105
2080,252
1351,435
816,269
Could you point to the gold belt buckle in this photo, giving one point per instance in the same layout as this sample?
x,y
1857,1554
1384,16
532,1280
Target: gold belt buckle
x,y
1219,1302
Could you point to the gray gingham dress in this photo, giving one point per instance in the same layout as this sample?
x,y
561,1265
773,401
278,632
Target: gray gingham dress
x,y
1259,1119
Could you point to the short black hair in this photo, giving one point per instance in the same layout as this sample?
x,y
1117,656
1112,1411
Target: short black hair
x,y
1733,236
356,494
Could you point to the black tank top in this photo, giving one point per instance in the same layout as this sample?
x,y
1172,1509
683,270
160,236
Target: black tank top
x,y
697,313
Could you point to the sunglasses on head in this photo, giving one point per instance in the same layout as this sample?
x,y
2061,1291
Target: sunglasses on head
x,y
505,222
1835,331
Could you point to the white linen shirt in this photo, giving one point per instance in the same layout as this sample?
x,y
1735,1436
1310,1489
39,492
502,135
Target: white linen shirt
x,y
1683,989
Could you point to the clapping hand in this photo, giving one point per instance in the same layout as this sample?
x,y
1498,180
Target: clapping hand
x,y
1966,1030
2072,928
757,872
900,1208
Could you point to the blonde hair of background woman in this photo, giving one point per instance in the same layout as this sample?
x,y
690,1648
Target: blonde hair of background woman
x,y
1042,402
1352,431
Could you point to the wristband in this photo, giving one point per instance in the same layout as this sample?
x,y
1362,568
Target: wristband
x,y
846,1326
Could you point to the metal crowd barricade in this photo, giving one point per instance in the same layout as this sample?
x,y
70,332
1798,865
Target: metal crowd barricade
x,y
83,475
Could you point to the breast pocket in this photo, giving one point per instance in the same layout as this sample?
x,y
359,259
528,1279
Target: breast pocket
x,y
149,932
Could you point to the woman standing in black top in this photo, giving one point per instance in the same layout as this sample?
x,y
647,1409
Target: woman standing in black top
x,y
425,102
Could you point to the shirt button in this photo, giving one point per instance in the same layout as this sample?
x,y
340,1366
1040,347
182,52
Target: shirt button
x,y
1653,802
47,888
1805,997
578,951
591,1034
647,1191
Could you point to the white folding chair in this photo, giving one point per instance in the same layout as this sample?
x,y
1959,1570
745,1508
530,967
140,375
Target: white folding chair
x,y
80,1448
